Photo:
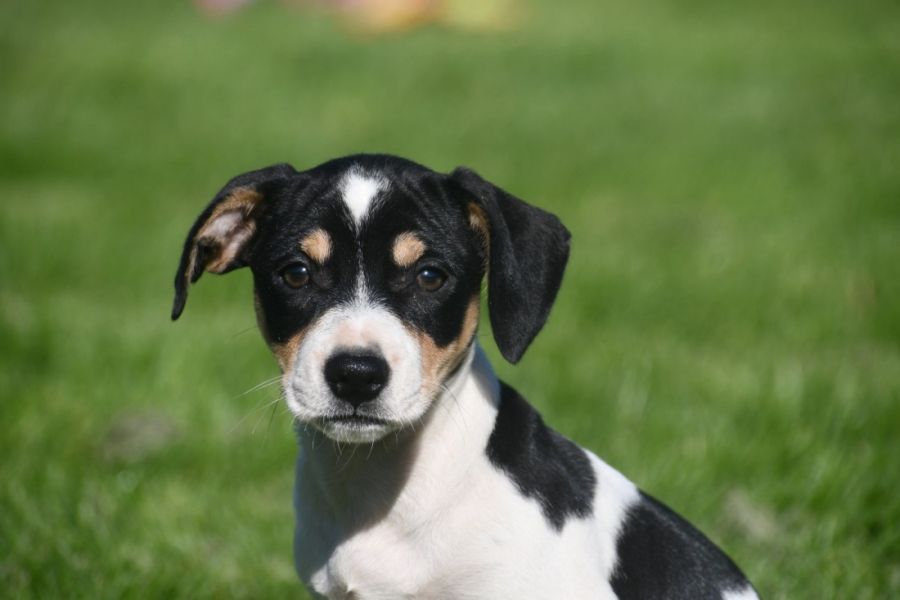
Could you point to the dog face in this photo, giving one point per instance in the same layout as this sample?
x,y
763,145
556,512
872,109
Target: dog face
x,y
367,274
365,299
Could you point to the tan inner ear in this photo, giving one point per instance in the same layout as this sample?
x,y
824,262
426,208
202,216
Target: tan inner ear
x,y
438,362
478,220
408,248
242,198
227,229
317,245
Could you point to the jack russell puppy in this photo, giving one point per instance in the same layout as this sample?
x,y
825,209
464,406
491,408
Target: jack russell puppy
x,y
420,475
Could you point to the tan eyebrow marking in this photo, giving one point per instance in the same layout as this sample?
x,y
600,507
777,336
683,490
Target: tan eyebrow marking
x,y
317,245
407,249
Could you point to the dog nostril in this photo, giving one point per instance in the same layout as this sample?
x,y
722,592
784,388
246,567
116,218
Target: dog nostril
x,y
356,378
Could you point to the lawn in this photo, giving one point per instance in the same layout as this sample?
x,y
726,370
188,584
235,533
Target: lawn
x,y
728,334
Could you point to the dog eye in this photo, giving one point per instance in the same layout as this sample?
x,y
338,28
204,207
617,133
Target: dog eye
x,y
295,275
431,279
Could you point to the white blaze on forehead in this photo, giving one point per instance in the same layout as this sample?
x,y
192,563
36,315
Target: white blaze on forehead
x,y
359,190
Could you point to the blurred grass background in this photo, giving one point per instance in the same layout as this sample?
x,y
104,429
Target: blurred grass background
x,y
728,334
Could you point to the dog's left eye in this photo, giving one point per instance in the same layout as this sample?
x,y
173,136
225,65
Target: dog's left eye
x,y
431,279
295,275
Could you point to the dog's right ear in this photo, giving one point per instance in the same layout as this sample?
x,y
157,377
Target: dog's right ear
x,y
217,240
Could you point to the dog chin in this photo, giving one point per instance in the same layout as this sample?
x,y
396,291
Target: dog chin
x,y
354,431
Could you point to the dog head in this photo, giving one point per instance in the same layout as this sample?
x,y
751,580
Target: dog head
x,y
367,273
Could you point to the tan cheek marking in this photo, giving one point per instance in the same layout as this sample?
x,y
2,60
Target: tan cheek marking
x,y
438,362
407,249
317,245
285,351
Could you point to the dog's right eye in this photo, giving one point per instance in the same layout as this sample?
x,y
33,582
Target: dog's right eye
x,y
295,275
431,279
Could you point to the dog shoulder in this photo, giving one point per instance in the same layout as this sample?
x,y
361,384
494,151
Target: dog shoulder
x,y
544,465
660,554
644,549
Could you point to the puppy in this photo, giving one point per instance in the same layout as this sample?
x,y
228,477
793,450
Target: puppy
x,y
420,475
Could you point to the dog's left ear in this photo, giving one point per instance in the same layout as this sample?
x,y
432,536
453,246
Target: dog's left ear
x,y
528,250
219,236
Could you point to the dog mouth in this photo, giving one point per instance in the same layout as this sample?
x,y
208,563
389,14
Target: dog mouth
x,y
354,420
354,428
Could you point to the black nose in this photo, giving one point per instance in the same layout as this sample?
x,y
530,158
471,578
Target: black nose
x,y
356,378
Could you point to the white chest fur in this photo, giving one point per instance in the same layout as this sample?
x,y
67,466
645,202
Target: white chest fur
x,y
428,516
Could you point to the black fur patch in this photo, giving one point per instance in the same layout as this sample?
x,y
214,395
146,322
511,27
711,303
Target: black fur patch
x,y
543,464
660,555
529,249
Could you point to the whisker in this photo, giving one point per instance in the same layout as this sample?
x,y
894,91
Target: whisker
x,y
258,386
242,332
263,406
349,458
273,404
459,409
271,418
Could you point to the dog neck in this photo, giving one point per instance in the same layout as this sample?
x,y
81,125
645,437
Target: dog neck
x,y
357,485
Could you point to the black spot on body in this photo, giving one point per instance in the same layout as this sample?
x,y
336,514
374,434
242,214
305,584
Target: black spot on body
x,y
543,464
660,555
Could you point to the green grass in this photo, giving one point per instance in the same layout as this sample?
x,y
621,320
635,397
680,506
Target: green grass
x,y
728,333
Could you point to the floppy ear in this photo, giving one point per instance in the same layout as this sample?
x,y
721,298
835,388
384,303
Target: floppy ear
x,y
220,234
528,249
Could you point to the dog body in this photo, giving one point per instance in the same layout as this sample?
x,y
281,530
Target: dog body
x,y
454,525
420,475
